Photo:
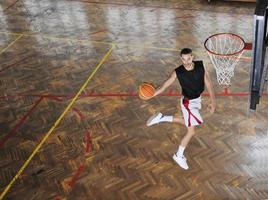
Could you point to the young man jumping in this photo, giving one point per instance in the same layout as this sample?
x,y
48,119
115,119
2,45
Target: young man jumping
x,y
193,78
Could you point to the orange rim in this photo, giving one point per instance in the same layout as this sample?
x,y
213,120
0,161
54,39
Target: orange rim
x,y
225,55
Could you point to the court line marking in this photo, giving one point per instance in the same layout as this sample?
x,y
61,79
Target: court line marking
x,y
62,97
19,123
15,64
10,6
143,46
153,7
55,124
3,50
54,37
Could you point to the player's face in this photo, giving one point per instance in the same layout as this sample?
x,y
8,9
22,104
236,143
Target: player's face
x,y
187,59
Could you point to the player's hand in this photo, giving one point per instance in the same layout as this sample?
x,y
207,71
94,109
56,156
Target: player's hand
x,y
212,107
148,98
145,98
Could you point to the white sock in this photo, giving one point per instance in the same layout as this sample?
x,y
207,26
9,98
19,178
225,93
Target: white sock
x,y
166,119
180,151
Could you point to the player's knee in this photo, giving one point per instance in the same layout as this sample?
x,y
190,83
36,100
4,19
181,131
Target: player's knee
x,y
191,130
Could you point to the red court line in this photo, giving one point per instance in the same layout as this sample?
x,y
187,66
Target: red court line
x,y
88,142
133,5
104,30
78,112
59,97
58,198
185,17
129,94
56,98
72,182
10,6
148,6
22,120
19,62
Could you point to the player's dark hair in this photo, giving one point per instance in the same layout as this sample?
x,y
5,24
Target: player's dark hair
x,y
186,51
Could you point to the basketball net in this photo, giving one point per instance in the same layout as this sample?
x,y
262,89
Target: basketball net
x,y
224,50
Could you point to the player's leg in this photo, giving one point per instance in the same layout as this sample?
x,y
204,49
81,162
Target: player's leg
x,y
192,118
179,155
179,120
159,117
186,139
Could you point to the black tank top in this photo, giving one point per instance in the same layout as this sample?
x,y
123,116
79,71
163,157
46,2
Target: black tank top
x,y
192,82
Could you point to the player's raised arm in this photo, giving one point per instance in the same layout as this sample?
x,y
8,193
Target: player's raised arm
x,y
166,84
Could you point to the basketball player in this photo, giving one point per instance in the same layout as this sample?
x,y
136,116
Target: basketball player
x,y
193,78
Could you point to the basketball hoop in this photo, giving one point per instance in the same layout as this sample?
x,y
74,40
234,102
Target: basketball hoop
x,y
225,50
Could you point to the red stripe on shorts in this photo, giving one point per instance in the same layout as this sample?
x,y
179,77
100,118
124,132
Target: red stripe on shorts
x,y
186,102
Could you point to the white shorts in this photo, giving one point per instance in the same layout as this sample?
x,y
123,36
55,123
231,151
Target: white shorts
x,y
190,110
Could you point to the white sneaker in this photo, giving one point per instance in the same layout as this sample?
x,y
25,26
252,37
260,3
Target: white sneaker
x,y
181,161
154,119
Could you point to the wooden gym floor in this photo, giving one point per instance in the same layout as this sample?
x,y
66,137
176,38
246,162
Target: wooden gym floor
x,y
72,126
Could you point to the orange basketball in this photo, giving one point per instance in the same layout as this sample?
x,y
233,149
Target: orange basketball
x,y
146,90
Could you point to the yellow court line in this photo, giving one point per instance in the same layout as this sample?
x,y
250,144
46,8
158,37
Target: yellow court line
x,y
10,33
3,50
57,38
98,42
69,39
55,124
147,47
